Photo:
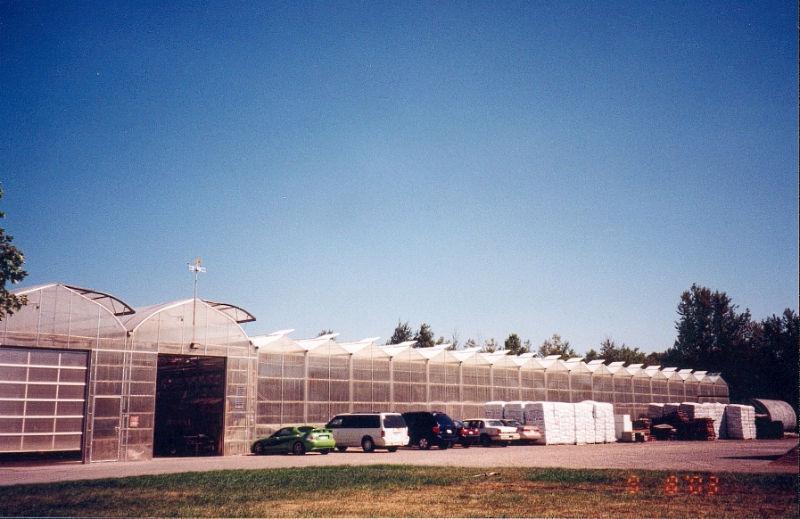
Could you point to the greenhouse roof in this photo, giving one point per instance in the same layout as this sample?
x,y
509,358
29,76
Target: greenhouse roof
x,y
234,313
368,347
578,366
276,342
113,304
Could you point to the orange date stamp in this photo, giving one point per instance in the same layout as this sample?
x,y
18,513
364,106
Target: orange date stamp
x,y
674,485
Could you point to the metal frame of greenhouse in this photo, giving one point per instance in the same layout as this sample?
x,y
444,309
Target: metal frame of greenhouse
x,y
80,371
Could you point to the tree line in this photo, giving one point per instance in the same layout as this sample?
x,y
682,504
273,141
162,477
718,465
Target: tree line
x,y
756,358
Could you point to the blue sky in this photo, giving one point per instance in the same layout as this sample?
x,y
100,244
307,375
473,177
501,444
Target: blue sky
x,y
538,168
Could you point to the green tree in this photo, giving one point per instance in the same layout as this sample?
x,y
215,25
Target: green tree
x,y
555,345
656,358
710,331
402,333
11,260
714,336
424,336
489,346
453,341
514,345
324,332
610,352
775,359
470,343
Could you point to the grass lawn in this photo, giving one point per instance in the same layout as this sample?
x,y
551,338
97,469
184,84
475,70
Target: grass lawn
x,y
395,490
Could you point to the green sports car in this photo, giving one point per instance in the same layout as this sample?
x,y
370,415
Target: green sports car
x,y
297,440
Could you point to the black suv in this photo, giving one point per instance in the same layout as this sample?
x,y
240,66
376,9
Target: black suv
x,y
427,429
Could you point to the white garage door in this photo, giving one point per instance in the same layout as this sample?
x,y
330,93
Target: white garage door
x,y
42,399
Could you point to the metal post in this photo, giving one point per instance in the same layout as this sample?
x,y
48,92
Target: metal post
x,y
305,387
461,385
569,385
391,384
427,384
491,382
350,383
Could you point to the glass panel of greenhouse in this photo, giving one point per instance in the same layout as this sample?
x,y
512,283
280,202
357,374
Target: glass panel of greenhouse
x,y
580,380
602,382
533,379
691,384
622,383
675,386
658,384
557,379
642,392
720,390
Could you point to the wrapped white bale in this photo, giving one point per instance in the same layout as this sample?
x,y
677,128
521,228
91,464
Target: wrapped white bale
x,y
600,424
740,421
591,429
598,433
494,409
527,410
515,410
565,417
584,422
622,423
603,414
717,413
655,410
607,410
749,422
543,415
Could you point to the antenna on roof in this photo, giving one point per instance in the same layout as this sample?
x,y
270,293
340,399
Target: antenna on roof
x,y
196,268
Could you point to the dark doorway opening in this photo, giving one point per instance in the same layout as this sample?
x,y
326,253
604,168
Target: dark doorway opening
x,y
190,406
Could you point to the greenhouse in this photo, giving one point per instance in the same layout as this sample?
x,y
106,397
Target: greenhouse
x,y
82,371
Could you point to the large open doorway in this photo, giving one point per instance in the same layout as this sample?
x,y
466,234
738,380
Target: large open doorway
x,y
190,406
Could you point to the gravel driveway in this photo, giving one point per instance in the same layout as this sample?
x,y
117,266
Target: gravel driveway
x,y
714,456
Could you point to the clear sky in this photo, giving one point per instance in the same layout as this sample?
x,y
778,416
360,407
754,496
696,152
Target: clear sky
x,y
488,167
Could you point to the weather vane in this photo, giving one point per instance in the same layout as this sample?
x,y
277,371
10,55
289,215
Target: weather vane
x,y
195,267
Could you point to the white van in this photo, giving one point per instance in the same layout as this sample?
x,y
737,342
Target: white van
x,y
368,431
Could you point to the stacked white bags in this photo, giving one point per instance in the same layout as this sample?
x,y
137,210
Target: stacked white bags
x,y
694,410
514,411
740,421
655,410
543,415
562,422
717,413
605,430
565,417
622,423
603,418
494,409
556,420
584,423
